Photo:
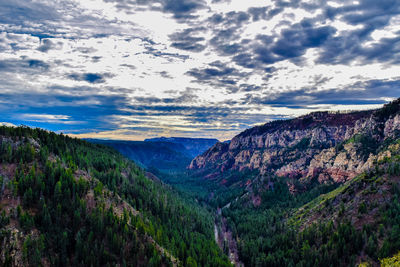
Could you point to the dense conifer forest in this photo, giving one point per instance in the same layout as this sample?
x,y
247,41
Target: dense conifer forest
x,y
80,204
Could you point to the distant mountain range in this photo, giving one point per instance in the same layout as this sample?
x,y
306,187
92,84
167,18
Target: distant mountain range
x,y
164,153
192,146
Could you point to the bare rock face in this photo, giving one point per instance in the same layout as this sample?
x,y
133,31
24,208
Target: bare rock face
x,y
324,146
216,153
392,126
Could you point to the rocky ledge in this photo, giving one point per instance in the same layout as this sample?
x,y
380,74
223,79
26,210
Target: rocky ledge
x,y
322,145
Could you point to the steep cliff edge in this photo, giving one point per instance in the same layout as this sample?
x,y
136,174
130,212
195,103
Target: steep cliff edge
x,y
321,145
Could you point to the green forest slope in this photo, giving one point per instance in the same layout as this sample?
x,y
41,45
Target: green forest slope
x,y
66,202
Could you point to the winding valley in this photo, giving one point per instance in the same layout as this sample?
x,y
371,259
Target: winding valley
x,y
315,190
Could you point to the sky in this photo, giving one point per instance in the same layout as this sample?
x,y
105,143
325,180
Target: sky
x,y
135,69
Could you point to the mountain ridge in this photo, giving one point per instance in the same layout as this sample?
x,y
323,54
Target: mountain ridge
x,y
194,146
318,145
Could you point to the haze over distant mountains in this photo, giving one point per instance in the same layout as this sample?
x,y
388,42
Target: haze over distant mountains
x,y
193,146
163,153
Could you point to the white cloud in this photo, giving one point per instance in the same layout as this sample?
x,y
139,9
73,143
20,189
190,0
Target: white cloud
x,y
127,47
49,118
7,124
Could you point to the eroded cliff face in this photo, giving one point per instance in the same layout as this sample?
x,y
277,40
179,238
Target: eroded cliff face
x,y
320,145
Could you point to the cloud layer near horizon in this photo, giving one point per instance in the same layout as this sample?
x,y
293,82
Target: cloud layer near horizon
x,y
132,69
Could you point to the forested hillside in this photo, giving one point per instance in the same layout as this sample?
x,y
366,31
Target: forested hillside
x,y
319,190
326,225
66,202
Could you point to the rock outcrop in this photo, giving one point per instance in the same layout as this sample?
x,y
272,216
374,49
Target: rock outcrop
x,y
321,145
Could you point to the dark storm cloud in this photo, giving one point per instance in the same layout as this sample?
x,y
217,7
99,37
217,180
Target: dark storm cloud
x,y
345,49
226,31
294,40
225,41
246,60
28,17
256,54
90,77
219,75
165,74
34,63
359,93
184,97
364,11
92,108
236,117
211,73
23,66
258,13
56,97
53,19
169,56
187,39
149,46
286,3
18,11
84,104
182,10
291,44
132,67
190,44
93,78
371,16
236,18
86,107
96,59
249,87
46,45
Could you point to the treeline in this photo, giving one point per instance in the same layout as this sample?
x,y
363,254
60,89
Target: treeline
x,y
55,203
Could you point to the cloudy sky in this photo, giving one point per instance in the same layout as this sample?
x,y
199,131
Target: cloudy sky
x,y
132,69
